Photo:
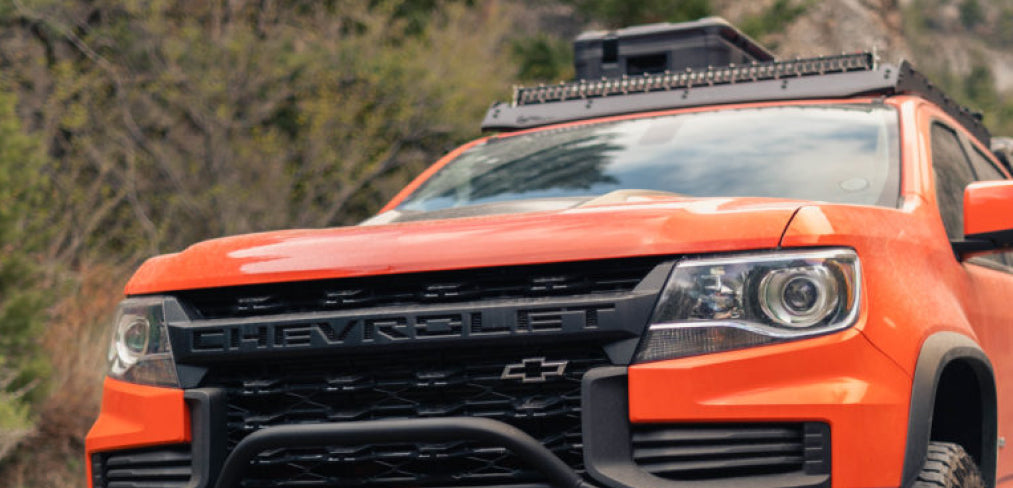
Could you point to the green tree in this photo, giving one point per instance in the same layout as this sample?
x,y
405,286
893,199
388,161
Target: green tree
x,y
622,13
173,122
971,13
774,19
1004,27
543,58
22,303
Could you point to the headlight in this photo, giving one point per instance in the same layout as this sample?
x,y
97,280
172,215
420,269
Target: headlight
x,y
139,351
719,304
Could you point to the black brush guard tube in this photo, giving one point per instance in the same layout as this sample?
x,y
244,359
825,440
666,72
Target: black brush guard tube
x,y
443,429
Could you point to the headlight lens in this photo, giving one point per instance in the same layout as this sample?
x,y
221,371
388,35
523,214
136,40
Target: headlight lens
x,y
140,351
719,304
800,296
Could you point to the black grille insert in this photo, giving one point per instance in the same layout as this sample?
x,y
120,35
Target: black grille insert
x,y
685,452
534,388
163,467
526,282
448,464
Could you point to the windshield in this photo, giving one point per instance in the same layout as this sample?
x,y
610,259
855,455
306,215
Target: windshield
x,y
833,153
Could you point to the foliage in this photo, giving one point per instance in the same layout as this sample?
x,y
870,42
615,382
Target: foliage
x,y
1004,27
15,417
774,18
173,122
971,13
22,304
977,91
921,17
75,341
543,58
622,13
977,88
166,123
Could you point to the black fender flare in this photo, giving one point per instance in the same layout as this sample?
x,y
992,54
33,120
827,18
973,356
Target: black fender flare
x,y
937,351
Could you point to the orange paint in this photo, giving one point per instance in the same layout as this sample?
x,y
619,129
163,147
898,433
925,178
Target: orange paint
x,y
651,228
840,379
137,416
988,207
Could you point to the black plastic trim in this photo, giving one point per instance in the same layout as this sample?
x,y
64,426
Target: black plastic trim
x,y
937,351
190,376
407,430
999,238
207,431
167,465
614,319
605,319
515,281
970,246
608,453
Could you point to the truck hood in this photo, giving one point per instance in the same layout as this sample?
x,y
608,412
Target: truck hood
x,y
654,227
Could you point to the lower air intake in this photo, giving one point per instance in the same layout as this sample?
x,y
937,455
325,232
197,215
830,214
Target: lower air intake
x,y
162,467
696,452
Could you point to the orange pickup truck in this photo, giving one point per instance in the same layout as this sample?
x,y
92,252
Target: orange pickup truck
x,y
695,266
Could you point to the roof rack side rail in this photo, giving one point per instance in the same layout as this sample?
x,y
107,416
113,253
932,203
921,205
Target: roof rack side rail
x,y
913,82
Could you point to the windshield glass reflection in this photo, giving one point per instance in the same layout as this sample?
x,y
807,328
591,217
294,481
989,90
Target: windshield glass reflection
x,y
834,153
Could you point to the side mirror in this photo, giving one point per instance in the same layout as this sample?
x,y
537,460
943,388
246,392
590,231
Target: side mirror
x,y
988,216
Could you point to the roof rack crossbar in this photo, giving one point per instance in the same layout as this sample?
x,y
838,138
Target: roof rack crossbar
x,y
840,76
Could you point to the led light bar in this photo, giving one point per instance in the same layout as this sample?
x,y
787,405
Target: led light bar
x,y
828,77
712,76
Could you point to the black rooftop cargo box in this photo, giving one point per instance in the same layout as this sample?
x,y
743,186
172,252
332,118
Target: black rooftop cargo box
x,y
656,48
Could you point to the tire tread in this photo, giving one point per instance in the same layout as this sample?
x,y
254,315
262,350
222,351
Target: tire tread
x,y
947,465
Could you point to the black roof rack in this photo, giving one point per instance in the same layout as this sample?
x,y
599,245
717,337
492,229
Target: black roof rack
x,y
840,76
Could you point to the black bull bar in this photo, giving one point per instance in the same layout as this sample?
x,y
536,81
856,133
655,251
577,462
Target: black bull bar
x,y
444,429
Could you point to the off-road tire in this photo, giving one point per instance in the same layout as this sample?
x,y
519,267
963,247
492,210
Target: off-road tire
x,y
948,465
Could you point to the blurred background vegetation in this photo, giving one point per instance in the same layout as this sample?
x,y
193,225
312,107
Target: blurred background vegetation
x,y
135,127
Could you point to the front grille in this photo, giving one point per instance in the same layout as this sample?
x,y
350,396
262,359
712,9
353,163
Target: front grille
x,y
685,452
163,467
514,282
534,388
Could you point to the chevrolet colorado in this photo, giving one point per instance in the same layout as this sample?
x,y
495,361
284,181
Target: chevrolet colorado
x,y
695,266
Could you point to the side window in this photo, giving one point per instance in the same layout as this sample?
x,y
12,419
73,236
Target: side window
x,y
953,174
984,168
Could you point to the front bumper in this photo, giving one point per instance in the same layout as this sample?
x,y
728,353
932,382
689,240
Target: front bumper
x,y
841,381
